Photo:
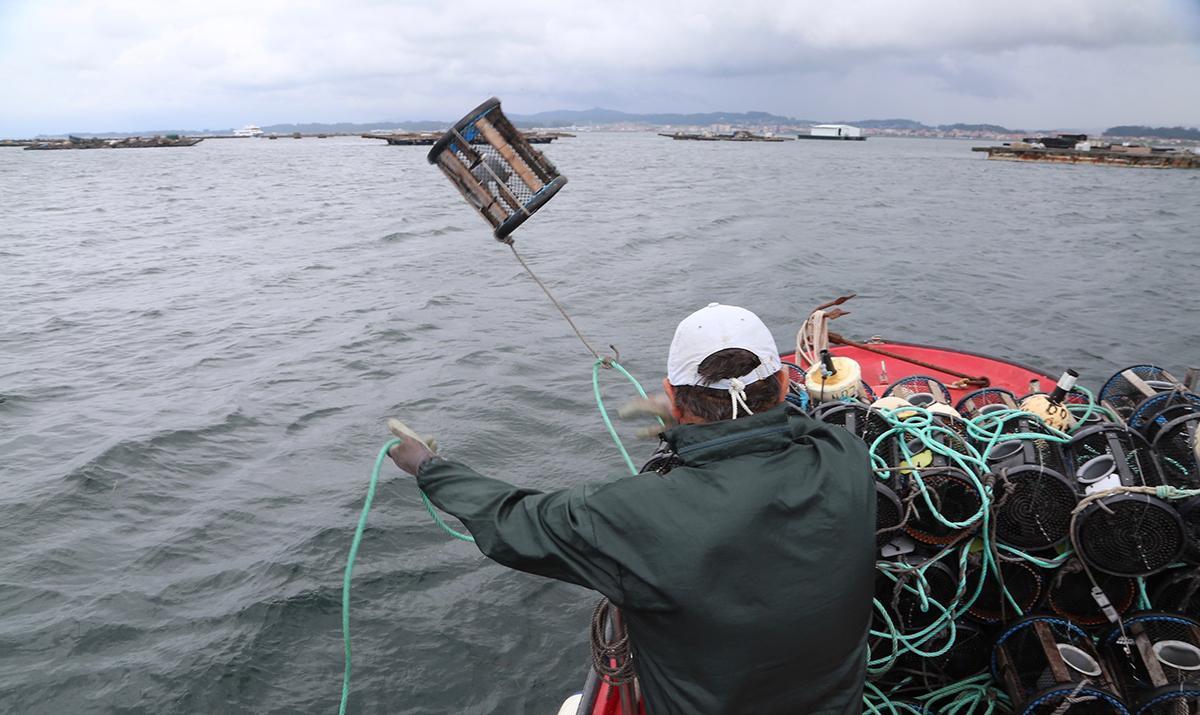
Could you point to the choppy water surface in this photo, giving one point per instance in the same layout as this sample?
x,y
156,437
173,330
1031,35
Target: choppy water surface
x,y
198,348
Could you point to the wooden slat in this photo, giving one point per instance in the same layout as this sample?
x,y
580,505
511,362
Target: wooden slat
x,y
1136,380
478,160
471,190
1146,651
1008,674
533,158
473,156
1050,647
517,163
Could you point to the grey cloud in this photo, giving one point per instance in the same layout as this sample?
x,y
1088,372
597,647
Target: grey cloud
x,y
283,61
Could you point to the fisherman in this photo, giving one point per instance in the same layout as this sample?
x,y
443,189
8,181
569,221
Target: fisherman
x,y
743,566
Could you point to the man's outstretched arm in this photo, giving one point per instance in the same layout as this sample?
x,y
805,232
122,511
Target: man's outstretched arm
x,y
545,533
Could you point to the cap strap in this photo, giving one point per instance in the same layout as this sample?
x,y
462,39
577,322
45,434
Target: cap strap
x,y
737,396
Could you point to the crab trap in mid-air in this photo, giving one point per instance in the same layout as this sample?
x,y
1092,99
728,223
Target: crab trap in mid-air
x,y
495,168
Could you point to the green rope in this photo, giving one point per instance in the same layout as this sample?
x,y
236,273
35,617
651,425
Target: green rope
x,y
358,533
918,426
612,431
872,693
1143,598
437,519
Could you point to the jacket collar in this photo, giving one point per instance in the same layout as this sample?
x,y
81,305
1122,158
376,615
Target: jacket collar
x,y
712,441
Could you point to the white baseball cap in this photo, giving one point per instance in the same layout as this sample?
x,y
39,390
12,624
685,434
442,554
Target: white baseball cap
x,y
717,327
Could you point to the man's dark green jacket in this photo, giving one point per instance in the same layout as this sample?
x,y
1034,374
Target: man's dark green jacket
x,y
745,575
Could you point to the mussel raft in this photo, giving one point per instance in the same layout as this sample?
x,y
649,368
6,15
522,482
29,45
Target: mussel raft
x,y
1038,553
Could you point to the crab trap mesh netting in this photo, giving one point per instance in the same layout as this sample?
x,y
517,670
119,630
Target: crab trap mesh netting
x,y
1047,663
868,425
1069,593
988,399
495,168
957,655
1034,494
944,494
1177,590
1155,659
1189,512
1171,423
908,601
1125,534
919,390
1016,586
1127,389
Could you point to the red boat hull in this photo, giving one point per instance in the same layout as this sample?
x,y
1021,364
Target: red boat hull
x,y
879,371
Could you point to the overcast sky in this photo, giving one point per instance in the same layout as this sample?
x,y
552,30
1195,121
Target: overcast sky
x,y
97,65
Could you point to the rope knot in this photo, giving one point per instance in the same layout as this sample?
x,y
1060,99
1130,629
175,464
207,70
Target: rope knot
x,y
737,397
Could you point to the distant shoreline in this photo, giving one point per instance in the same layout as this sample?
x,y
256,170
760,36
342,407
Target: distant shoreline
x,y
783,131
599,119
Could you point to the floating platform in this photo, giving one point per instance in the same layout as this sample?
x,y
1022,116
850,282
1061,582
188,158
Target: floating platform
x,y
430,138
126,143
739,136
1115,156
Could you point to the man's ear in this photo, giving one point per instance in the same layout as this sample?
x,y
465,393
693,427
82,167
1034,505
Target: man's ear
x,y
670,390
783,382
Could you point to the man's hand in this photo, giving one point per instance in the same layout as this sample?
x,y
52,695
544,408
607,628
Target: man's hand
x,y
413,450
656,405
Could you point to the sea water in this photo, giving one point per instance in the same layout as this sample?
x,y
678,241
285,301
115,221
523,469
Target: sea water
x,y
199,348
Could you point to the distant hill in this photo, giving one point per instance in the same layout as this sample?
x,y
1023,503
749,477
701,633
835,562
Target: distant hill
x,y
556,118
597,115
913,125
1136,130
908,124
351,128
994,128
601,117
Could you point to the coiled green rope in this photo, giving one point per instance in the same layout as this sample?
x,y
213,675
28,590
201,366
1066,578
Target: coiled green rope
x,y
916,425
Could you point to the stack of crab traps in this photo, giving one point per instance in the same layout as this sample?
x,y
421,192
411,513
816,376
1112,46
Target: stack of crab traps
x,y
1038,554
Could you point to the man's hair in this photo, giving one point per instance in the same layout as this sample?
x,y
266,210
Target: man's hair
x,y
712,405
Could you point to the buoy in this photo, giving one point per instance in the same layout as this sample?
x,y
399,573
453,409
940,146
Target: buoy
x,y
842,382
894,402
1052,408
944,410
1055,415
